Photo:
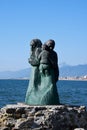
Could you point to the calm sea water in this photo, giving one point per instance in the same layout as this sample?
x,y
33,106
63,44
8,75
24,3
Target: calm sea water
x,y
70,92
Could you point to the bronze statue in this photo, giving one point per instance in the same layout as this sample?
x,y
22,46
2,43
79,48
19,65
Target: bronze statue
x,y
42,88
44,60
53,58
35,51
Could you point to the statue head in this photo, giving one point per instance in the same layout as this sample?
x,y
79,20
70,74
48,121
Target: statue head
x,y
51,44
45,47
35,43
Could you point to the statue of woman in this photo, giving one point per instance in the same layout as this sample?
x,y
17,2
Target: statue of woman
x,y
32,91
42,88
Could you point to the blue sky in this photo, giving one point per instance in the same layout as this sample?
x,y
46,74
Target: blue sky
x,y
65,21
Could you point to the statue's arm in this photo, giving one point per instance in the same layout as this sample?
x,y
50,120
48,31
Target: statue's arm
x,y
54,62
56,68
33,61
56,73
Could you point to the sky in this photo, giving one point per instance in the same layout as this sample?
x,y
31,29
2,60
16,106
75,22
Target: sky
x,y
65,21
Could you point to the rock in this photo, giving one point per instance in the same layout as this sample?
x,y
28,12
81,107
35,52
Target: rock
x,y
39,113
10,110
20,110
15,128
79,129
5,128
24,117
24,124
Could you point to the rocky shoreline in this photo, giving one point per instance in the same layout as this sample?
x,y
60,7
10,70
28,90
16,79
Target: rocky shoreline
x,y
60,117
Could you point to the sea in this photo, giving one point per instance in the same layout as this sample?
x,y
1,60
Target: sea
x,y
70,92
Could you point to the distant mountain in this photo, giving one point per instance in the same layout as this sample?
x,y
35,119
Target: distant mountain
x,y
65,70
25,73
72,71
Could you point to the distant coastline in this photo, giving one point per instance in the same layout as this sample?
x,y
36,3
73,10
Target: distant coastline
x,y
82,78
14,79
61,78
66,72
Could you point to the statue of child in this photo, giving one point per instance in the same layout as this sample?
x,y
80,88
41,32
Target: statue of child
x,y
44,60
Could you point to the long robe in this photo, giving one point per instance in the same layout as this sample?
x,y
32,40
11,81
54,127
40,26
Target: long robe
x,y
42,89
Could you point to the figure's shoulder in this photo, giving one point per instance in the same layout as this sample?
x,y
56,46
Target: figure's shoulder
x,y
54,52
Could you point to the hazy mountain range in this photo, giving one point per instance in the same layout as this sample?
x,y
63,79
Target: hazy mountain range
x,y
72,71
65,70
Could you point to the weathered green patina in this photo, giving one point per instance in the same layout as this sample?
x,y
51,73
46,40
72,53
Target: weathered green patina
x,y
42,89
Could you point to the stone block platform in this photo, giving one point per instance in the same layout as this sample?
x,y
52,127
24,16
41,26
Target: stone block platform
x,y
60,117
